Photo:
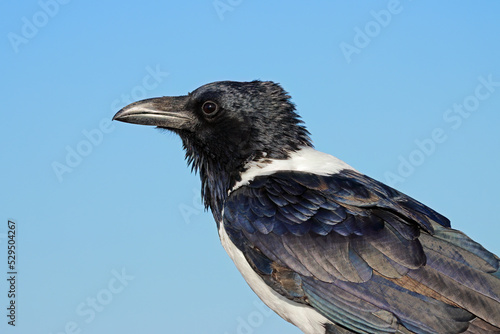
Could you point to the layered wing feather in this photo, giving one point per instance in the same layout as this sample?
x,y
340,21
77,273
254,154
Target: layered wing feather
x,y
366,256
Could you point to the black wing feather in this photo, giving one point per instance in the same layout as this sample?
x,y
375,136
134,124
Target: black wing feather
x,y
366,256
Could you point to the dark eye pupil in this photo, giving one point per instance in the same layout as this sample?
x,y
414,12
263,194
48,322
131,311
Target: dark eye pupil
x,y
209,107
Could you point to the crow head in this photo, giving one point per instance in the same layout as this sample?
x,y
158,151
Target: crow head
x,y
223,126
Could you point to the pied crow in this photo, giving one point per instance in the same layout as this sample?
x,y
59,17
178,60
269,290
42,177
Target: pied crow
x,y
327,248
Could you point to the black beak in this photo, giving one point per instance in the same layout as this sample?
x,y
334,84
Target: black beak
x,y
166,112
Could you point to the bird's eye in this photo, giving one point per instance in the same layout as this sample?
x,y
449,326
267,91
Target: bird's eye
x,y
210,108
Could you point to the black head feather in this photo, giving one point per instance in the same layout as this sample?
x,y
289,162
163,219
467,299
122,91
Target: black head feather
x,y
223,126
251,121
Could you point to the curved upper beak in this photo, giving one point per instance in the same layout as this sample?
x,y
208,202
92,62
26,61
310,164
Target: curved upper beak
x,y
166,112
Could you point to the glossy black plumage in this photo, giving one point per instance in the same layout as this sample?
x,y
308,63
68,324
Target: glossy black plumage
x,y
353,243
363,255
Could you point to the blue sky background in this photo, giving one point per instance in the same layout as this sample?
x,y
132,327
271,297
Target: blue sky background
x,y
376,91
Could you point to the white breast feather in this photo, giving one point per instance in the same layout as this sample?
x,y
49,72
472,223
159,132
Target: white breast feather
x,y
302,316
306,159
